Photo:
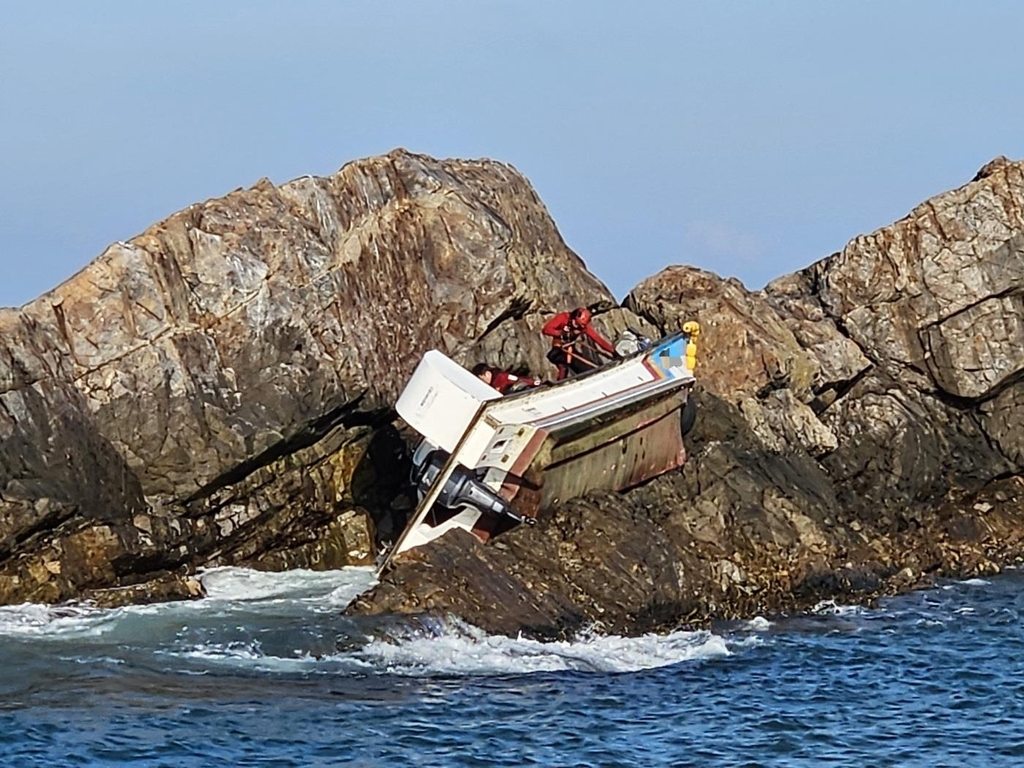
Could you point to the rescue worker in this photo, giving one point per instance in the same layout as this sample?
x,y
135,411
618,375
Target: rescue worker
x,y
506,382
503,381
484,372
576,346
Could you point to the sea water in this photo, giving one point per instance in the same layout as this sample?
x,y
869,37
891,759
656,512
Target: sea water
x,y
267,672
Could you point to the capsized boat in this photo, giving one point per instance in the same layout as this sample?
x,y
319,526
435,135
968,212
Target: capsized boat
x,y
488,462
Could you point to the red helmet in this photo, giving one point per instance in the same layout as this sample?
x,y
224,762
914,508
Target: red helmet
x,y
581,315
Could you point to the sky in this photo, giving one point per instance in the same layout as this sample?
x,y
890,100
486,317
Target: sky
x,y
747,138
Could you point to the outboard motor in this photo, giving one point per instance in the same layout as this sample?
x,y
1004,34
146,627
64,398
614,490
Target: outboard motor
x,y
464,489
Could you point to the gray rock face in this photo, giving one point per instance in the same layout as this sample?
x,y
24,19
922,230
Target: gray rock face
x,y
212,390
935,301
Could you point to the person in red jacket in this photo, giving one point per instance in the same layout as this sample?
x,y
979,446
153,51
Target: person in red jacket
x,y
576,346
503,381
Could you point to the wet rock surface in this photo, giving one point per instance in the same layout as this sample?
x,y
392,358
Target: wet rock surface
x,y
218,390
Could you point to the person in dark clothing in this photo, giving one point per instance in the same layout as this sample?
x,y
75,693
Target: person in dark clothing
x,y
576,346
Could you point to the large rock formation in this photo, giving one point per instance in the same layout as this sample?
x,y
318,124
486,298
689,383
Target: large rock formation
x,y
861,433
217,390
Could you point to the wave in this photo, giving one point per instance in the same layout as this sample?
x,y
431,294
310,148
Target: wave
x,y
757,624
455,648
47,621
832,608
229,590
333,588
975,582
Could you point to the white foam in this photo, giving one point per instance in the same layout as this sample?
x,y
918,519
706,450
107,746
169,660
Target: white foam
x,y
249,656
460,649
326,591
750,641
976,582
245,585
758,624
831,608
32,620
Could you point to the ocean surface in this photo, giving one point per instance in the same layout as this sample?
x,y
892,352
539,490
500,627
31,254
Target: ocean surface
x,y
266,672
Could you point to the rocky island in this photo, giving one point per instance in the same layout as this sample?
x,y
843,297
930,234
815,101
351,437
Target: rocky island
x,y
219,390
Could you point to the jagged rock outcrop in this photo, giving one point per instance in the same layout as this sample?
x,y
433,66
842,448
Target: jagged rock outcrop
x,y
896,362
218,388
860,433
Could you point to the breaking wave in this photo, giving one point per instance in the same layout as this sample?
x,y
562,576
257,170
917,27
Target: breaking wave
x,y
229,590
459,649
334,589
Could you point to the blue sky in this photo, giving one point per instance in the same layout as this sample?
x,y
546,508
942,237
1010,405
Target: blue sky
x,y
748,138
